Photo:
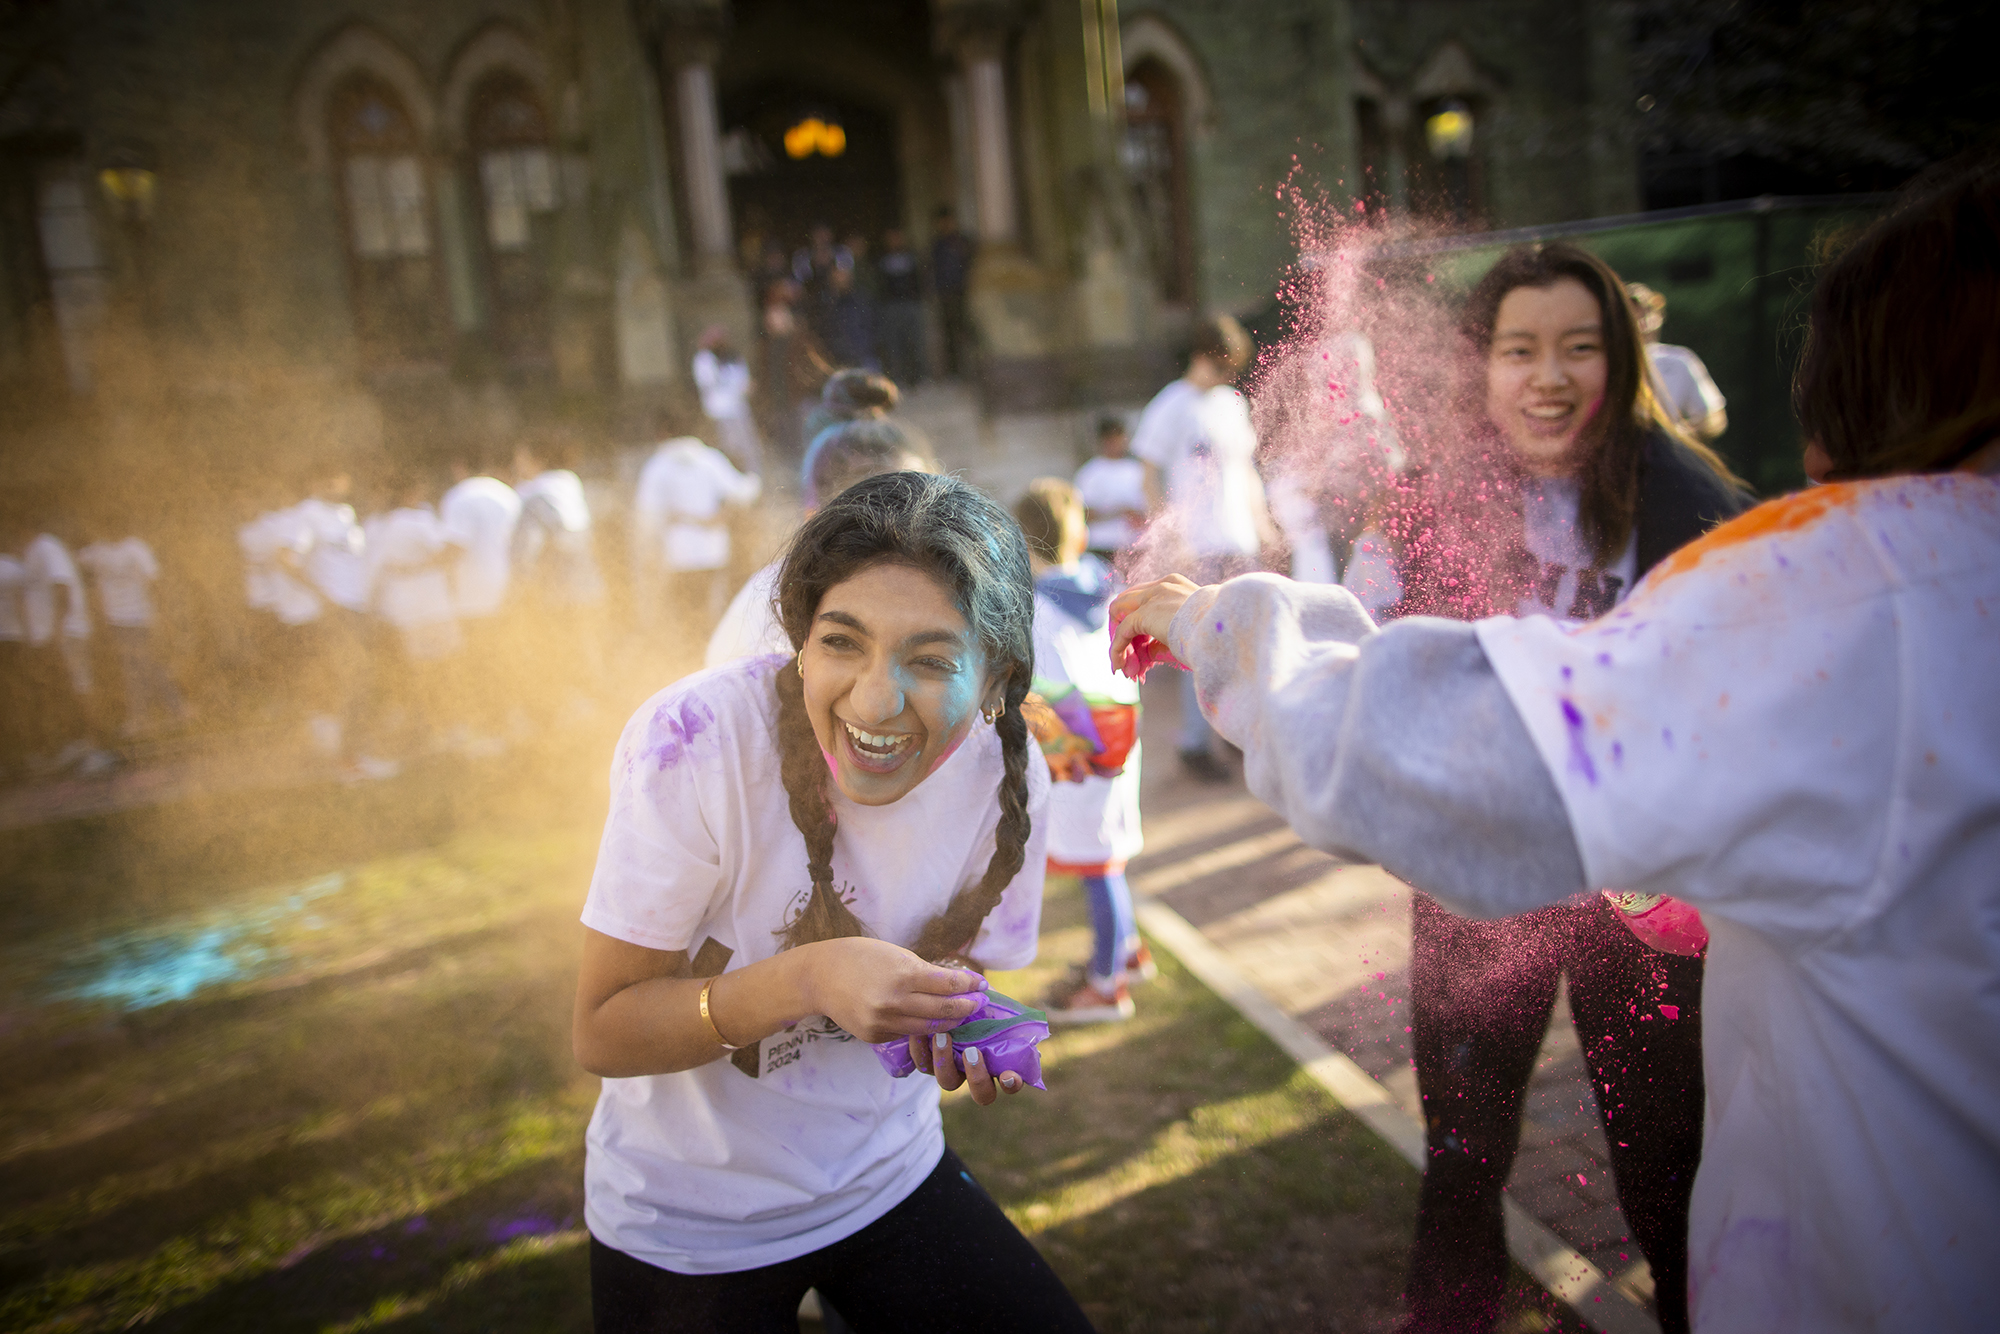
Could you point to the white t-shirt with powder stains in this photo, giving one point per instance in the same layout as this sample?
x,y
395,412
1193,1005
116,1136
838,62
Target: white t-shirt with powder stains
x,y
711,1170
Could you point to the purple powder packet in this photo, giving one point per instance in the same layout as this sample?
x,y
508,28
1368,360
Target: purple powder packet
x,y
1006,1032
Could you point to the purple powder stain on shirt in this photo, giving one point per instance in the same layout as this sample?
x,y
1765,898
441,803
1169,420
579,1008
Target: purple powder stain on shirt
x,y
1667,737
1579,757
681,723
1567,674
1618,753
1604,660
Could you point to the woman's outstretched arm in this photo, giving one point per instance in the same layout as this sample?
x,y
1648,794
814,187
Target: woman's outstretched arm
x,y
1397,746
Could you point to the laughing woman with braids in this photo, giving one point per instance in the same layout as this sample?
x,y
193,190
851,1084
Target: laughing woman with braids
x,y
804,855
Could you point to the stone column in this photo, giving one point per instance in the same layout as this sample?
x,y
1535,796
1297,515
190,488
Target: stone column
x,y
993,155
976,32
701,158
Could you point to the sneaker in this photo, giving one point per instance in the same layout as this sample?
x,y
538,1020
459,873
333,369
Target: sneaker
x,y
1204,767
1088,1004
1139,965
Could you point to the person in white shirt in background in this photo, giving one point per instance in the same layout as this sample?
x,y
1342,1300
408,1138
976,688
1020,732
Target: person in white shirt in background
x,y
1685,386
680,532
1199,450
481,512
723,379
1090,737
555,567
125,570
1321,496
410,554
334,670
841,456
57,614
15,703
1113,487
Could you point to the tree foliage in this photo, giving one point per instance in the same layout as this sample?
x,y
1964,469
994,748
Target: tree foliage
x,y
1883,87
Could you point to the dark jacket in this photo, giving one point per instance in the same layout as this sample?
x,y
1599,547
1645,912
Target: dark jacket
x,y
1456,561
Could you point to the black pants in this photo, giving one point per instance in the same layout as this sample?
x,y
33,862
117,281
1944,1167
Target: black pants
x,y
1482,994
944,1259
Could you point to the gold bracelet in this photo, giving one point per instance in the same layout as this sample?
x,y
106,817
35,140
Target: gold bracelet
x,y
709,1019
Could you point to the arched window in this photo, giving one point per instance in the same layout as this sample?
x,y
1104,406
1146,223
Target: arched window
x,y
386,210
1155,153
509,139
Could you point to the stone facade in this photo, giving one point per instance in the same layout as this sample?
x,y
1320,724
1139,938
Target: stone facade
x,y
366,226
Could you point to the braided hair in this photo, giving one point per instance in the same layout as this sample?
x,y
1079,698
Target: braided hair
x,y
970,545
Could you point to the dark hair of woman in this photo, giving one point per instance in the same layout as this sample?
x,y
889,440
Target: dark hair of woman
x,y
1901,371
946,529
843,454
1615,437
856,393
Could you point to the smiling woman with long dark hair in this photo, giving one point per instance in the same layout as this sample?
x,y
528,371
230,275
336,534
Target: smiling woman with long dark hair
x,y
1555,484
803,851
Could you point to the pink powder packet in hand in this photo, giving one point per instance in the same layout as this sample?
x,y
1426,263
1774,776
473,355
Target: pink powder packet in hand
x,y
1664,924
1143,654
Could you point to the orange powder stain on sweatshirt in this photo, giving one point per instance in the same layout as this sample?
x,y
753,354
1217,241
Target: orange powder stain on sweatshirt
x,y
1784,515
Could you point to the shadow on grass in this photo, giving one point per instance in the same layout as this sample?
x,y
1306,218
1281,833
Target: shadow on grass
x,y
468,1264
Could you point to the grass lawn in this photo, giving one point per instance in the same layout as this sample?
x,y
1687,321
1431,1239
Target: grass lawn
x,y
361,1113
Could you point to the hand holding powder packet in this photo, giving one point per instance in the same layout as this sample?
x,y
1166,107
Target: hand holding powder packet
x,y
1005,1031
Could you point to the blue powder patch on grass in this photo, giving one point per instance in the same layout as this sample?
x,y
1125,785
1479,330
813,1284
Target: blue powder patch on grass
x,y
157,965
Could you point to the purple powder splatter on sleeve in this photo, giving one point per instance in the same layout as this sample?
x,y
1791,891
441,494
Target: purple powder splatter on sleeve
x,y
678,725
1579,756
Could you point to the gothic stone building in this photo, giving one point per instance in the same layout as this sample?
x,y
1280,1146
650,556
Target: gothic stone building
x,y
236,230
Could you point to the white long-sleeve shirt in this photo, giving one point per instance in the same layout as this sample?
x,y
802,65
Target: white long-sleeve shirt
x,y
1792,725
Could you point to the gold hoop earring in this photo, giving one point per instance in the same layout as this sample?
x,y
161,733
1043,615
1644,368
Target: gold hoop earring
x,y
799,665
992,715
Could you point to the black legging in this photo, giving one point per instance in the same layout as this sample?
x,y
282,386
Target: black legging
x,y
1482,993
944,1259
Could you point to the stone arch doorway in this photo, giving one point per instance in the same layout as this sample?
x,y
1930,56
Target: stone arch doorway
x,y
776,197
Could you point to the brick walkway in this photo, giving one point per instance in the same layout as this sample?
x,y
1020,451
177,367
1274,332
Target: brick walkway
x,y
1330,945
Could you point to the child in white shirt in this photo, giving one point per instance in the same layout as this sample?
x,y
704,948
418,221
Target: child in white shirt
x,y
1094,816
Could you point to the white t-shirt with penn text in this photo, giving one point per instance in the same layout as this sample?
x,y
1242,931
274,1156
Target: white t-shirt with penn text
x,y
711,1170
1204,444
1569,582
124,571
1793,725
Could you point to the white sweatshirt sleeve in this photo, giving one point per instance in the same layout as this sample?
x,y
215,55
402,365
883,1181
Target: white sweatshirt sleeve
x,y
1397,746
